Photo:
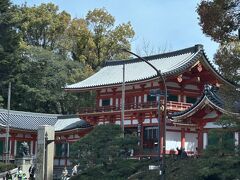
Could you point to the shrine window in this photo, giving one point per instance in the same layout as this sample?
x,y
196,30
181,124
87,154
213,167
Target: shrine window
x,y
172,98
191,100
151,98
61,149
150,133
106,102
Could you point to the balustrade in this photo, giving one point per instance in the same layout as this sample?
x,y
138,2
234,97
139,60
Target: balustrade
x,y
171,105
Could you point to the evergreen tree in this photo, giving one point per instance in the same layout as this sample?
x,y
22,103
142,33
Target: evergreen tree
x,y
54,50
104,152
220,19
9,44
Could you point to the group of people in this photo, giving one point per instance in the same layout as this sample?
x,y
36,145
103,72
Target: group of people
x,y
20,175
65,174
182,154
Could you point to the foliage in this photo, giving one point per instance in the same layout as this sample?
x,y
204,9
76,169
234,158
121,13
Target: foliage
x,y
220,19
218,162
228,59
220,143
42,77
5,167
9,43
104,148
42,49
90,40
54,51
97,39
42,25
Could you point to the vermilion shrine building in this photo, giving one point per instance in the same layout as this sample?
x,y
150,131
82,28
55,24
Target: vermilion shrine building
x,y
192,106
192,103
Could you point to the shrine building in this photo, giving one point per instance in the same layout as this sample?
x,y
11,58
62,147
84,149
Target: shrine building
x,y
192,106
192,102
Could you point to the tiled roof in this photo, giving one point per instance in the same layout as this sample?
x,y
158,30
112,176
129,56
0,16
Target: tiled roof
x,y
171,63
31,121
26,120
70,122
136,70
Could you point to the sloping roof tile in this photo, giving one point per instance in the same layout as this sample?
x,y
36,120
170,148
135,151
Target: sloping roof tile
x,y
26,120
136,70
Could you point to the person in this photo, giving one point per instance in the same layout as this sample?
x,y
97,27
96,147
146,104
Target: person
x,y
8,176
31,171
19,173
196,153
184,154
64,173
24,176
179,152
75,170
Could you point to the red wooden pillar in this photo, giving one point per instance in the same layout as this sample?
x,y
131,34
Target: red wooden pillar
x,y
66,150
183,138
97,98
140,130
200,138
12,140
114,97
143,90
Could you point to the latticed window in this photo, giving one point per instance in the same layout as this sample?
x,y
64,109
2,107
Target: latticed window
x,y
106,102
191,100
151,98
172,98
150,133
61,149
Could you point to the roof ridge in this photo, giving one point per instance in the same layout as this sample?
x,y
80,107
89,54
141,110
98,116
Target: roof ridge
x,y
192,49
27,113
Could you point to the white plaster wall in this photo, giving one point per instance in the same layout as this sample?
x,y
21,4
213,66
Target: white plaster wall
x,y
192,87
190,141
117,122
146,121
127,122
145,98
205,140
173,140
154,120
139,99
135,121
211,125
236,137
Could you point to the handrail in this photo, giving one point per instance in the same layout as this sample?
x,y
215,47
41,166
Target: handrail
x,y
171,105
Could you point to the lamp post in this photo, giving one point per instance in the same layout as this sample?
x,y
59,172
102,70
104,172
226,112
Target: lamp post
x,y
161,124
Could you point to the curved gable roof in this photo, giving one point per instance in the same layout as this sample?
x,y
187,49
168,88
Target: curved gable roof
x,y
136,70
209,98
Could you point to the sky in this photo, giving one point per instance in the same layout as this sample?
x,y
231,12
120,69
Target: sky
x,y
170,24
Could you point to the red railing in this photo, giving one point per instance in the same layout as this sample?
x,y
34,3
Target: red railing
x,y
171,105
